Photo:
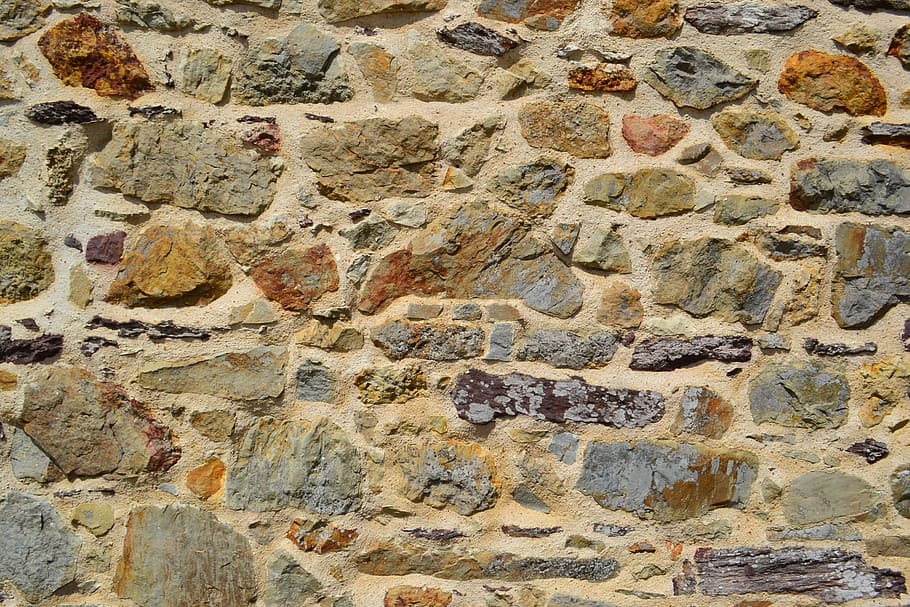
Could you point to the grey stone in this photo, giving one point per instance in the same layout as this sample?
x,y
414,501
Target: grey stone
x,y
823,496
286,583
439,75
20,18
374,233
668,354
400,339
564,600
358,269
478,39
466,311
703,412
604,250
564,237
468,150
38,552
691,77
533,188
900,490
738,209
829,185
747,17
824,531
452,473
888,133
270,4
29,463
502,340
526,498
755,135
799,394
873,5
205,74
297,464
315,382
566,349
564,446
407,214
152,15
335,11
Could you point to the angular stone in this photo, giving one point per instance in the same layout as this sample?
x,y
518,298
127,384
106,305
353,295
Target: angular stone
x,y
874,5
659,192
568,350
872,273
738,209
286,583
270,4
747,17
887,134
452,473
254,374
374,233
413,596
573,126
337,336
666,481
296,278
321,537
826,82
400,339
379,68
480,397
900,490
25,263
477,39
335,11
296,464
205,74
374,159
545,15
703,412
870,449
206,480
97,518
819,496
28,351
315,382
620,306
667,354
655,135
12,157
521,78
215,425
37,552
755,135
28,462
790,242
873,187
533,188
19,18
602,78
88,428
83,51
439,75
884,385
61,112
799,394
830,575
691,77
391,384
564,236
502,341
105,248
178,556
859,39
645,18
468,150
187,165
900,46
885,545
154,16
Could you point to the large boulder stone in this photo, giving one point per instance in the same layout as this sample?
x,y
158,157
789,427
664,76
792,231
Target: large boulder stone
x,y
452,473
825,496
574,126
691,77
832,185
799,394
832,82
25,263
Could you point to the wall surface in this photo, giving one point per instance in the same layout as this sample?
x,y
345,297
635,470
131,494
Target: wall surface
x,y
522,303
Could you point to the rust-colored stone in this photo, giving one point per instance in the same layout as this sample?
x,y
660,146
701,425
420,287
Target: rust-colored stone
x,y
206,480
604,77
655,135
414,596
832,82
83,51
536,14
265,136
320,537
295,278
645,18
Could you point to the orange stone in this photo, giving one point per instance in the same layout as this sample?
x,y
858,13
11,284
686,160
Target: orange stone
x,y
655,135
606,77
206,480
645,18
827,82
320,537
295,278
414,596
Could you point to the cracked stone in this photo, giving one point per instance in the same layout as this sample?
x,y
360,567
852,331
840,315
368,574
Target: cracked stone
x,y
575,126
799,394
755,135
747,17
691,77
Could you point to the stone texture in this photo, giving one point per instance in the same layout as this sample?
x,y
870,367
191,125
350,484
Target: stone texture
x,y
738,209
390,384
88,427
747,17
171,265
216,425
620,306
818,496
105,248
833,185
154,16
668,354
545,15
645,19
97,518
478,39
451,473
296,278
755,135
900,490
180,556
574,126
20,18
832,82
703,412
39,553
315,382
859,39
884,545
469,149
298,464
61,112
12,157
413,596
666,481
187,165
480,397
569,350
602,78
335,11
205,74
28,351
320,537
533,188
286,583
375,233
654,135
206,480
379,67
400,339
799,394
440,75
691,77
25,263
83,51
28,462
900,46
884,133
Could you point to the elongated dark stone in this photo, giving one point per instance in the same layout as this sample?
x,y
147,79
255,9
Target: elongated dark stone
x,y
27,351
887,133
533,532
747,17
479,397
477,39
61,112
830,575
667,354
438,535
813,346
872,5
870,449
153,111
134,328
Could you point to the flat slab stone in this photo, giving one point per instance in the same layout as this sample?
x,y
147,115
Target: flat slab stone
x,y
691,77
834,185
335,11
667,354
822,496
799,394
747,17
25,263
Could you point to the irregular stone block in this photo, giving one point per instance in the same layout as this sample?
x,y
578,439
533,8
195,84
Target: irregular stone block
x,y
12,157
392,384
654,135
871,450
799,394
828,185
19,18
286,582
755,135
620,306
477,39
822,496
468,150
737,209
645,18
545,15
533,188
900,489
413,596
703,412
874,5
61,112
440,75
25,263
28,351
320,537
602,78
296,278
105,248
205,74
97,518
826,82
566,349
667,354
885,545
379,68
400,339
452,473
165,329
747,17
691,77
573,126
315,382
335,11
28,462
900,46
887,134
154,16
604,250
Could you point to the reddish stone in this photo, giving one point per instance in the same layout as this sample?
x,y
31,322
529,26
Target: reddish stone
x,y
105,248
645,18
655,135
827,82
295,278
265,136
606,77
900,46
206,480
413,596
83,51
320,537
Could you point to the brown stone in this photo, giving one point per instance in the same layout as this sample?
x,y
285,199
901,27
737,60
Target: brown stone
x,y
900,46
645,18
83,51
620,306
26,268
295,278
12,156
884,385
206,480
574,126
655,135
703,412
537,14
414,596
379,68
832,82
320,537
759,136
602,78
215,425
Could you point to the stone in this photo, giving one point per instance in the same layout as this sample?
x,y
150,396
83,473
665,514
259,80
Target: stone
x,y
315,382
105,248
668,354
28,351
602,78
480,397
451,473
97,518
304,67
666,481
61,112
28,462
870,449
691,77
654,135
25,263
374,233
264,136
399,339
373,159
336,336
799,394
187,165
620,306
872,273
545,15
456,180
604,250
254,374
414,596
827,82
269,4
747,17
19,18
475,38
574,126
286,583
884,385
406,214
564,446
39,554
88,428
439,75
521,78
206,480
80,287
755,135
154,331
533,188
178,555
739,209
703,412
813,346
61,164
900,490
790,242
335,11
526,498
320,537
702,157
830,575
747,176
297,464
564,236
645,19
822,496
469,149
205,74
569,350
466,311
216,425
900,46
873,5
296,278
859,39
83,51
12,157
391,384
154,16
658,192
889,545
257,312
502,342
379,69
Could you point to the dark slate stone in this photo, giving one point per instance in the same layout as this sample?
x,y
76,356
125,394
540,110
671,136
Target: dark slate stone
x,y
790,243
153,111
437,535
831,575
105,248
480,397
611,530
72,242
93,343
870,449
873,187
747,17
61,112
533,532
155,331
887,133
813,346
477,39
27,351
667,354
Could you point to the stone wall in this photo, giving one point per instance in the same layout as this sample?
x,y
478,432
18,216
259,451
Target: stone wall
x,y
531,303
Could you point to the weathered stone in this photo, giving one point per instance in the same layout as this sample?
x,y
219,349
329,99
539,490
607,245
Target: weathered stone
x,y
374,233
28,462
88,428
205,74
790,243
620,306
502,341
270,4
832,82
477,39
25,263
61,164
154,331
574,126
28,351
374,159
321,537
885,545
452,473
564,236
813,346
20,18
286,583
900,490
655,135
900,46
703,412
602,78
206,480
859,39
645,18
871,450
105,248
253,374
439,75
747,17
884,385
872,273
714,276
667,354
97,518
738,209
379,68
887,134
12,157
830,575
187,165
691,77
468,150
179,556
392,384
533,188
521,78
666,481
747,176
335,11
817,497
873,187
413,596
337,336
799,394
755,135
565,349
315,382
480,397
545,15
152,15
215,425
61,112
37,552
296,278
400,339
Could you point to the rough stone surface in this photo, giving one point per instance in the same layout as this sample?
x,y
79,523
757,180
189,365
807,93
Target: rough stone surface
x,y
12,157
545,15
296,278
819,496
900,490
25,263
703,412
604,250
152,15
574,126
478,39
827,82
666,354
900,46
620,307
440,75
833,185
755,135
602,78
335,11
205,74
453,473
799,394
97,518
28,462
887,134
400,339
645,19
286,583
533,188
564,349
654,135
315,382
20,18
747,17
691,77
413,596
391,384
738,209
379,68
